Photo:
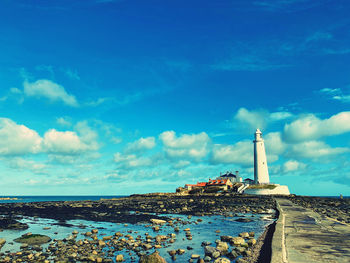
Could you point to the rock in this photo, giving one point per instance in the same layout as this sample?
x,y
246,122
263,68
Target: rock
x,y
222,260
244,234
157,221
208,250
200,260
237,241
244,220
195,256
206,243
252,234
153,258
147,246
180,251
226,238
216,254
2,242
222,247
232,255
33,239
240,250
172,252
207,259
119,258
101,243
94,231
251,242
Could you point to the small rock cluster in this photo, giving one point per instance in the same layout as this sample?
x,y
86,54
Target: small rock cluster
x,y
335,208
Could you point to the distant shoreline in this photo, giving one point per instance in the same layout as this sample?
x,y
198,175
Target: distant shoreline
x,y
9,198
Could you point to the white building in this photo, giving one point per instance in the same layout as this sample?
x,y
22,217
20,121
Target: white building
x,y
234,178
261,173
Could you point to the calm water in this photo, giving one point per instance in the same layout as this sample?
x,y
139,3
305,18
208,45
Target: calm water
x,y
201,231
27,199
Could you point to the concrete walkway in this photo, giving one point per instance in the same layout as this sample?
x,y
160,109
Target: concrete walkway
x,y
302,235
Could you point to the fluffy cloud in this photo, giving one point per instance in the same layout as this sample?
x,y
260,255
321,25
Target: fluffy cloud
x,y
292,165
71,142
239,153
259,118
17,139
87,135
63,121
141,144
44,88
23,164
274,143
66,142
309,127
336,94
131,161
192,146
314,150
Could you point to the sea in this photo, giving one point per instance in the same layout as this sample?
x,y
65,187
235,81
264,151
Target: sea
x,y
204,228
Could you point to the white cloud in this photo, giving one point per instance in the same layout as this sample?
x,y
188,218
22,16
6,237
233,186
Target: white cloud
x,y
239,153
274,143
72,74
87,135
131,161
23,164
67,142
193,146
336,94
44,88
293,165
258,118
342,98
309,127
15,90
63,121
314,150
141,144
98,102
17,139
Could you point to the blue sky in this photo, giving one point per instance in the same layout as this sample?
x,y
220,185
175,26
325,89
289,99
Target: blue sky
x,y
121,97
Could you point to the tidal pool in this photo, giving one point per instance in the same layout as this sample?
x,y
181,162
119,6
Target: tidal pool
x,y
209,229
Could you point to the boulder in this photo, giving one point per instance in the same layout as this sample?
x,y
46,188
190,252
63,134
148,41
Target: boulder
x,y
222,247
119,258
2,242
153,258
157,221
237,241
208,250
244,234
222,260
33,239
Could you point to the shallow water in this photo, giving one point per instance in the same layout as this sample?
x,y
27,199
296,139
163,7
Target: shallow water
x,y
201,231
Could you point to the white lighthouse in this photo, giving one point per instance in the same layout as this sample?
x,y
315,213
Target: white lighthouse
x,y
261,173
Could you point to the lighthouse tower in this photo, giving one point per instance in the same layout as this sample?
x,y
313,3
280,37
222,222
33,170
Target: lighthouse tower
x,y
261,173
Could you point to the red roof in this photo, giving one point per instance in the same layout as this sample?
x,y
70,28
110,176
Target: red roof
x,y
202,184
217,182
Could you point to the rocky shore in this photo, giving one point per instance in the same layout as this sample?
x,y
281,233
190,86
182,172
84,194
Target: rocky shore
x,y
145,209
335,208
